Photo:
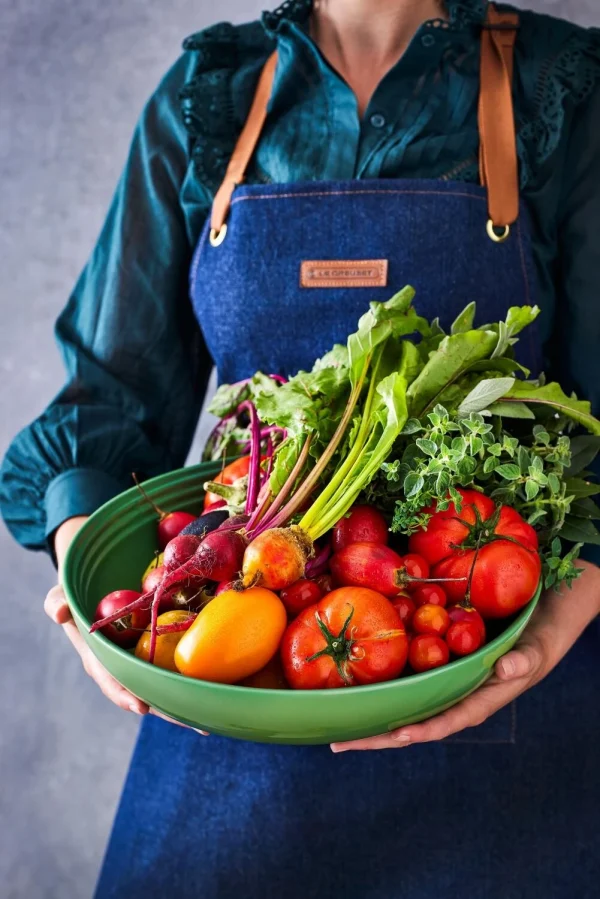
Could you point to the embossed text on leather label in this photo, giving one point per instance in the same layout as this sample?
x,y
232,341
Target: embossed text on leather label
x,y
344,273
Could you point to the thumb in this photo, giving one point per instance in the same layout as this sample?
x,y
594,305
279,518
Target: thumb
x,y
524,661
56,606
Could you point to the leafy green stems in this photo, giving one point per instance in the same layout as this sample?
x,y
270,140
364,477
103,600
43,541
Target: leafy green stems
x,y
304,491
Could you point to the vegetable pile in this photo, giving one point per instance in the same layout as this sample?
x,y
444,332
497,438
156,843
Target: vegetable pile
x,y
386,509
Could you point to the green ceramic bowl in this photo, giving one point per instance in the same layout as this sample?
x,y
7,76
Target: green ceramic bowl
x,y
113,549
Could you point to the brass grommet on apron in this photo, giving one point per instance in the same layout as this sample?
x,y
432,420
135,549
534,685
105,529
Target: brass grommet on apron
x,y
499,235
215,237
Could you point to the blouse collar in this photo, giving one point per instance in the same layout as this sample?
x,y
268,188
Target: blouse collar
x,y
462,13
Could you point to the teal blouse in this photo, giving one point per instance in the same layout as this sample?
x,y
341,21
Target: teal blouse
x,y
136,366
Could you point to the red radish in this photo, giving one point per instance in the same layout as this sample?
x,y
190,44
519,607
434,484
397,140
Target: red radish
x,y
465,612
430,619
363,524
275,559
427,651
124,630
175,628
378,567
300,596
464,637
218,558
179,550
152,580
171,525
415,567
429,593
405,607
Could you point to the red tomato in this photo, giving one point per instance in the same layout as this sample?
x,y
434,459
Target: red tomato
x,y
505,577
363,524
463,612
506,573
426,652
300,596
464,637
432,594
124,631
405,607
430,619
229,475
352,636
449,528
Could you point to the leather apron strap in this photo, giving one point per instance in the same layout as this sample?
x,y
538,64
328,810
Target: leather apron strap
x,y
498,147
498,143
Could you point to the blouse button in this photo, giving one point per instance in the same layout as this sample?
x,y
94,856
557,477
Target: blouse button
x,y
377,120
428,40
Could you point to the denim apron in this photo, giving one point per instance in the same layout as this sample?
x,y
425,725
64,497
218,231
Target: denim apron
x,y
497,811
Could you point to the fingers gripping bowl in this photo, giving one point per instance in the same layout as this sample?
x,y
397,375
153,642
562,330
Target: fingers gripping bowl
x,y
111,552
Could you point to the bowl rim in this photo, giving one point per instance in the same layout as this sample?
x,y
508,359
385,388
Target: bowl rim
x,y
412,679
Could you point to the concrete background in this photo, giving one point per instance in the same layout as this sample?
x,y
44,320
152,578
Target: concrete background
x,y
73,78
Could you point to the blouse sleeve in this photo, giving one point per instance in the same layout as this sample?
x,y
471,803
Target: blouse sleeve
x,y
136,363
577,336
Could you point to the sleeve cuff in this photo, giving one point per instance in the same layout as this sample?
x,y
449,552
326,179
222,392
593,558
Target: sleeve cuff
x,y
78,491
590,553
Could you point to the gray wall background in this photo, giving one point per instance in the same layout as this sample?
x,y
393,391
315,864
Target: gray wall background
x,y
73,78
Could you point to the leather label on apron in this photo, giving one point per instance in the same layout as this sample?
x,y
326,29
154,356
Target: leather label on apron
x,y
344,273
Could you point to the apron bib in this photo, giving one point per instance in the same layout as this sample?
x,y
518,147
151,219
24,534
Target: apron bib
x,y
497,811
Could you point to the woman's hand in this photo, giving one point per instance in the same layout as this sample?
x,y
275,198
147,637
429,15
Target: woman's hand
x,y
558,621
56,607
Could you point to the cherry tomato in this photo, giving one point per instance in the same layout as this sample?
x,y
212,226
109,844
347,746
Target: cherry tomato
x,y
363,524
467,613
432,594
352,636
426,652
464,637
124,631
300,596
229,475
430,619
164,655
405,607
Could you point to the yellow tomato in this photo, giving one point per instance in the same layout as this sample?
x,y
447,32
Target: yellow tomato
x,y
234,636
165,644
155,563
